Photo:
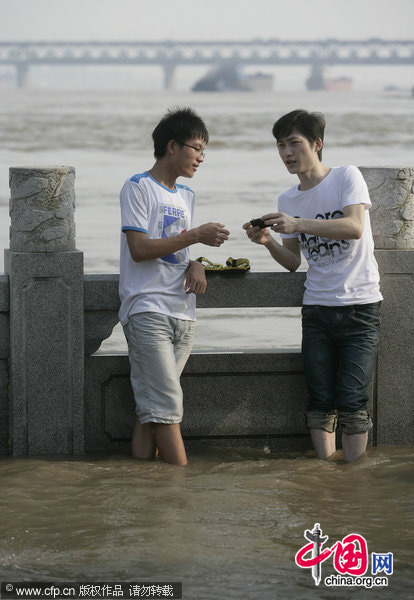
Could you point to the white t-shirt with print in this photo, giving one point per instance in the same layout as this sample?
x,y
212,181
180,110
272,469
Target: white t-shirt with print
x,y
341,272
155,285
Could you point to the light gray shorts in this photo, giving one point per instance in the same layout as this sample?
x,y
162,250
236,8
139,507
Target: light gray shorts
x,y
159,347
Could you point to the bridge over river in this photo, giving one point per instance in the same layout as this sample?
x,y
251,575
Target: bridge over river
x,y
171,54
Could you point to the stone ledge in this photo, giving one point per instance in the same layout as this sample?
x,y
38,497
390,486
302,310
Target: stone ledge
x,y
225,290
244,362
229,400
395,261
101,292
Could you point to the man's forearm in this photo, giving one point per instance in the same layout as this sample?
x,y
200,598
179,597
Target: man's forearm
x,y
345,228
150,249
283,255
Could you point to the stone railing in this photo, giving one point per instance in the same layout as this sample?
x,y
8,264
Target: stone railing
x,y
57,396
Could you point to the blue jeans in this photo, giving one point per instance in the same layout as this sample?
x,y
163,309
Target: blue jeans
x,y
339,346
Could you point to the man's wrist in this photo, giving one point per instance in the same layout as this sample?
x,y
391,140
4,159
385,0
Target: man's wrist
x,y
192,236
186,238
299,225
194,263
197,264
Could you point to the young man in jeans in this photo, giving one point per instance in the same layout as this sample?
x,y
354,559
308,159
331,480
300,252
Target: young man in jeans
x,y
326,217
158,281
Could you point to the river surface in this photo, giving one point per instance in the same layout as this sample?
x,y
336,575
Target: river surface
x,y
230,523
106,136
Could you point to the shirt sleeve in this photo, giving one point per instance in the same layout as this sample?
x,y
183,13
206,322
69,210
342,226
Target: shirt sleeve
x,y
354,188
281,208
134,208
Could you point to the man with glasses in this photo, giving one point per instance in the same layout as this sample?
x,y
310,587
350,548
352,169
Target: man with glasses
x,y
326,217
158,281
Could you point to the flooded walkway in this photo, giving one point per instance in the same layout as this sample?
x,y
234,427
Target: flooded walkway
x,y
227,526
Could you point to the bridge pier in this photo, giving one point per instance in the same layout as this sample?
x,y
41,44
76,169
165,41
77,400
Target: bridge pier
x,y
315,79
22,70
169,71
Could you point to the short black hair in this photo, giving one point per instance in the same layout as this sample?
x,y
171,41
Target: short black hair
x,y
180,124
310,125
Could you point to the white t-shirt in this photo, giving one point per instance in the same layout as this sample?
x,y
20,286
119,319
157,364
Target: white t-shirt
x,y
341,272
155,285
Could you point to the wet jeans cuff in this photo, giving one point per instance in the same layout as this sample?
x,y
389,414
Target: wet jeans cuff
x,y
355,422
321,420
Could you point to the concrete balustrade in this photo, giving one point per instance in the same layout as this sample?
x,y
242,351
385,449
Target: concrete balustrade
x,y
57,395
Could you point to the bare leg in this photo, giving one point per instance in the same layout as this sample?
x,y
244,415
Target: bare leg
x,y
323,443
354,445
143,440
170,443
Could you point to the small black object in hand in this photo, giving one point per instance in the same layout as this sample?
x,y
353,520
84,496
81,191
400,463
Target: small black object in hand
x,y
258,223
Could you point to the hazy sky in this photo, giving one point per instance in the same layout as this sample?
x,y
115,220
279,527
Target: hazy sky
x,y
204,19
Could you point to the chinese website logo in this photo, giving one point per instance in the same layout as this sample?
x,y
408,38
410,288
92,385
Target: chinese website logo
x,y
350,560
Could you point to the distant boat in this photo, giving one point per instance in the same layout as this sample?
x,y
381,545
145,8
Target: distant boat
x,y
317,81
231,78
340,84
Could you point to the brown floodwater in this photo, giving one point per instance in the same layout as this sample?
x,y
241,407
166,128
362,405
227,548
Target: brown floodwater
x,y
228,525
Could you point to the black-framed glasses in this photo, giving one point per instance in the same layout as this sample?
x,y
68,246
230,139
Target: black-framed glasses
x,y
199,150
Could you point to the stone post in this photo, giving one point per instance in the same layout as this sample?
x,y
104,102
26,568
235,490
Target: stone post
x,y
46,314
392,214
392,218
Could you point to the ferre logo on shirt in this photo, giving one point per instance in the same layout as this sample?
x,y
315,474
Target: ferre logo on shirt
x,y
174,222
